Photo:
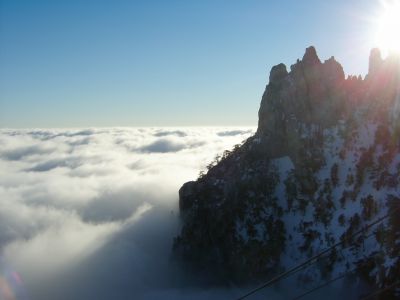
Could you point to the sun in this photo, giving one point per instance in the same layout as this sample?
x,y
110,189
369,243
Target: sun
x,y
387,36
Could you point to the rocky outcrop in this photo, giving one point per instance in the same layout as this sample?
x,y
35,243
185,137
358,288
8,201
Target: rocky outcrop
x,y
324,162
312,93
375,62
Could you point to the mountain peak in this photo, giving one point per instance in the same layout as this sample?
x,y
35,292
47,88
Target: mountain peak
x,y
315,93
310,56
307,94
278,73
324,163
375,61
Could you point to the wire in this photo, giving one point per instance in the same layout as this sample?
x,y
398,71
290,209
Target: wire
x,y
334,279
315,257
320,286
381,291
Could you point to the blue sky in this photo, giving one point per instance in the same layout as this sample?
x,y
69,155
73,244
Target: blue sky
x,y
162,63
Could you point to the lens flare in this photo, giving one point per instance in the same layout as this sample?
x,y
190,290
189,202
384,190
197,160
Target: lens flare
x,y
11,287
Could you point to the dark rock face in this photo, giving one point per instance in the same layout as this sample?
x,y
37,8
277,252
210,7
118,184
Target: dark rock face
x,y
313,92
310,58
324,162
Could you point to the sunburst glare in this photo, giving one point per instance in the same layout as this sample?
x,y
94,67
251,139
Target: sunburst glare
x,y
387,34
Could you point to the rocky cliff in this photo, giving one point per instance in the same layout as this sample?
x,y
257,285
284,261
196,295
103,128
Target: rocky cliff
x,y
324,162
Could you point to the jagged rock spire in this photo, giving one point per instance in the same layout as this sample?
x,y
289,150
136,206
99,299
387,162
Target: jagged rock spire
x,y
277,74
375,61
311,57
308,93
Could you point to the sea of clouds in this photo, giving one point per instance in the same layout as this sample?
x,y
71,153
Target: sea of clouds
x,y
92,213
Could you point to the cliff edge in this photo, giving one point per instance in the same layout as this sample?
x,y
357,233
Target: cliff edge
x,y
324,162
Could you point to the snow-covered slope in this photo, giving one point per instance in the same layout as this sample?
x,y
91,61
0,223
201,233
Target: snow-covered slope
x,y
324,163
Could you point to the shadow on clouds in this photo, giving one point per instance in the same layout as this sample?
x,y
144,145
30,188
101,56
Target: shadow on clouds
x,y
163,146
233,132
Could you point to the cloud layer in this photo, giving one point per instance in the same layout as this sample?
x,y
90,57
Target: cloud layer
x,y
91,213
